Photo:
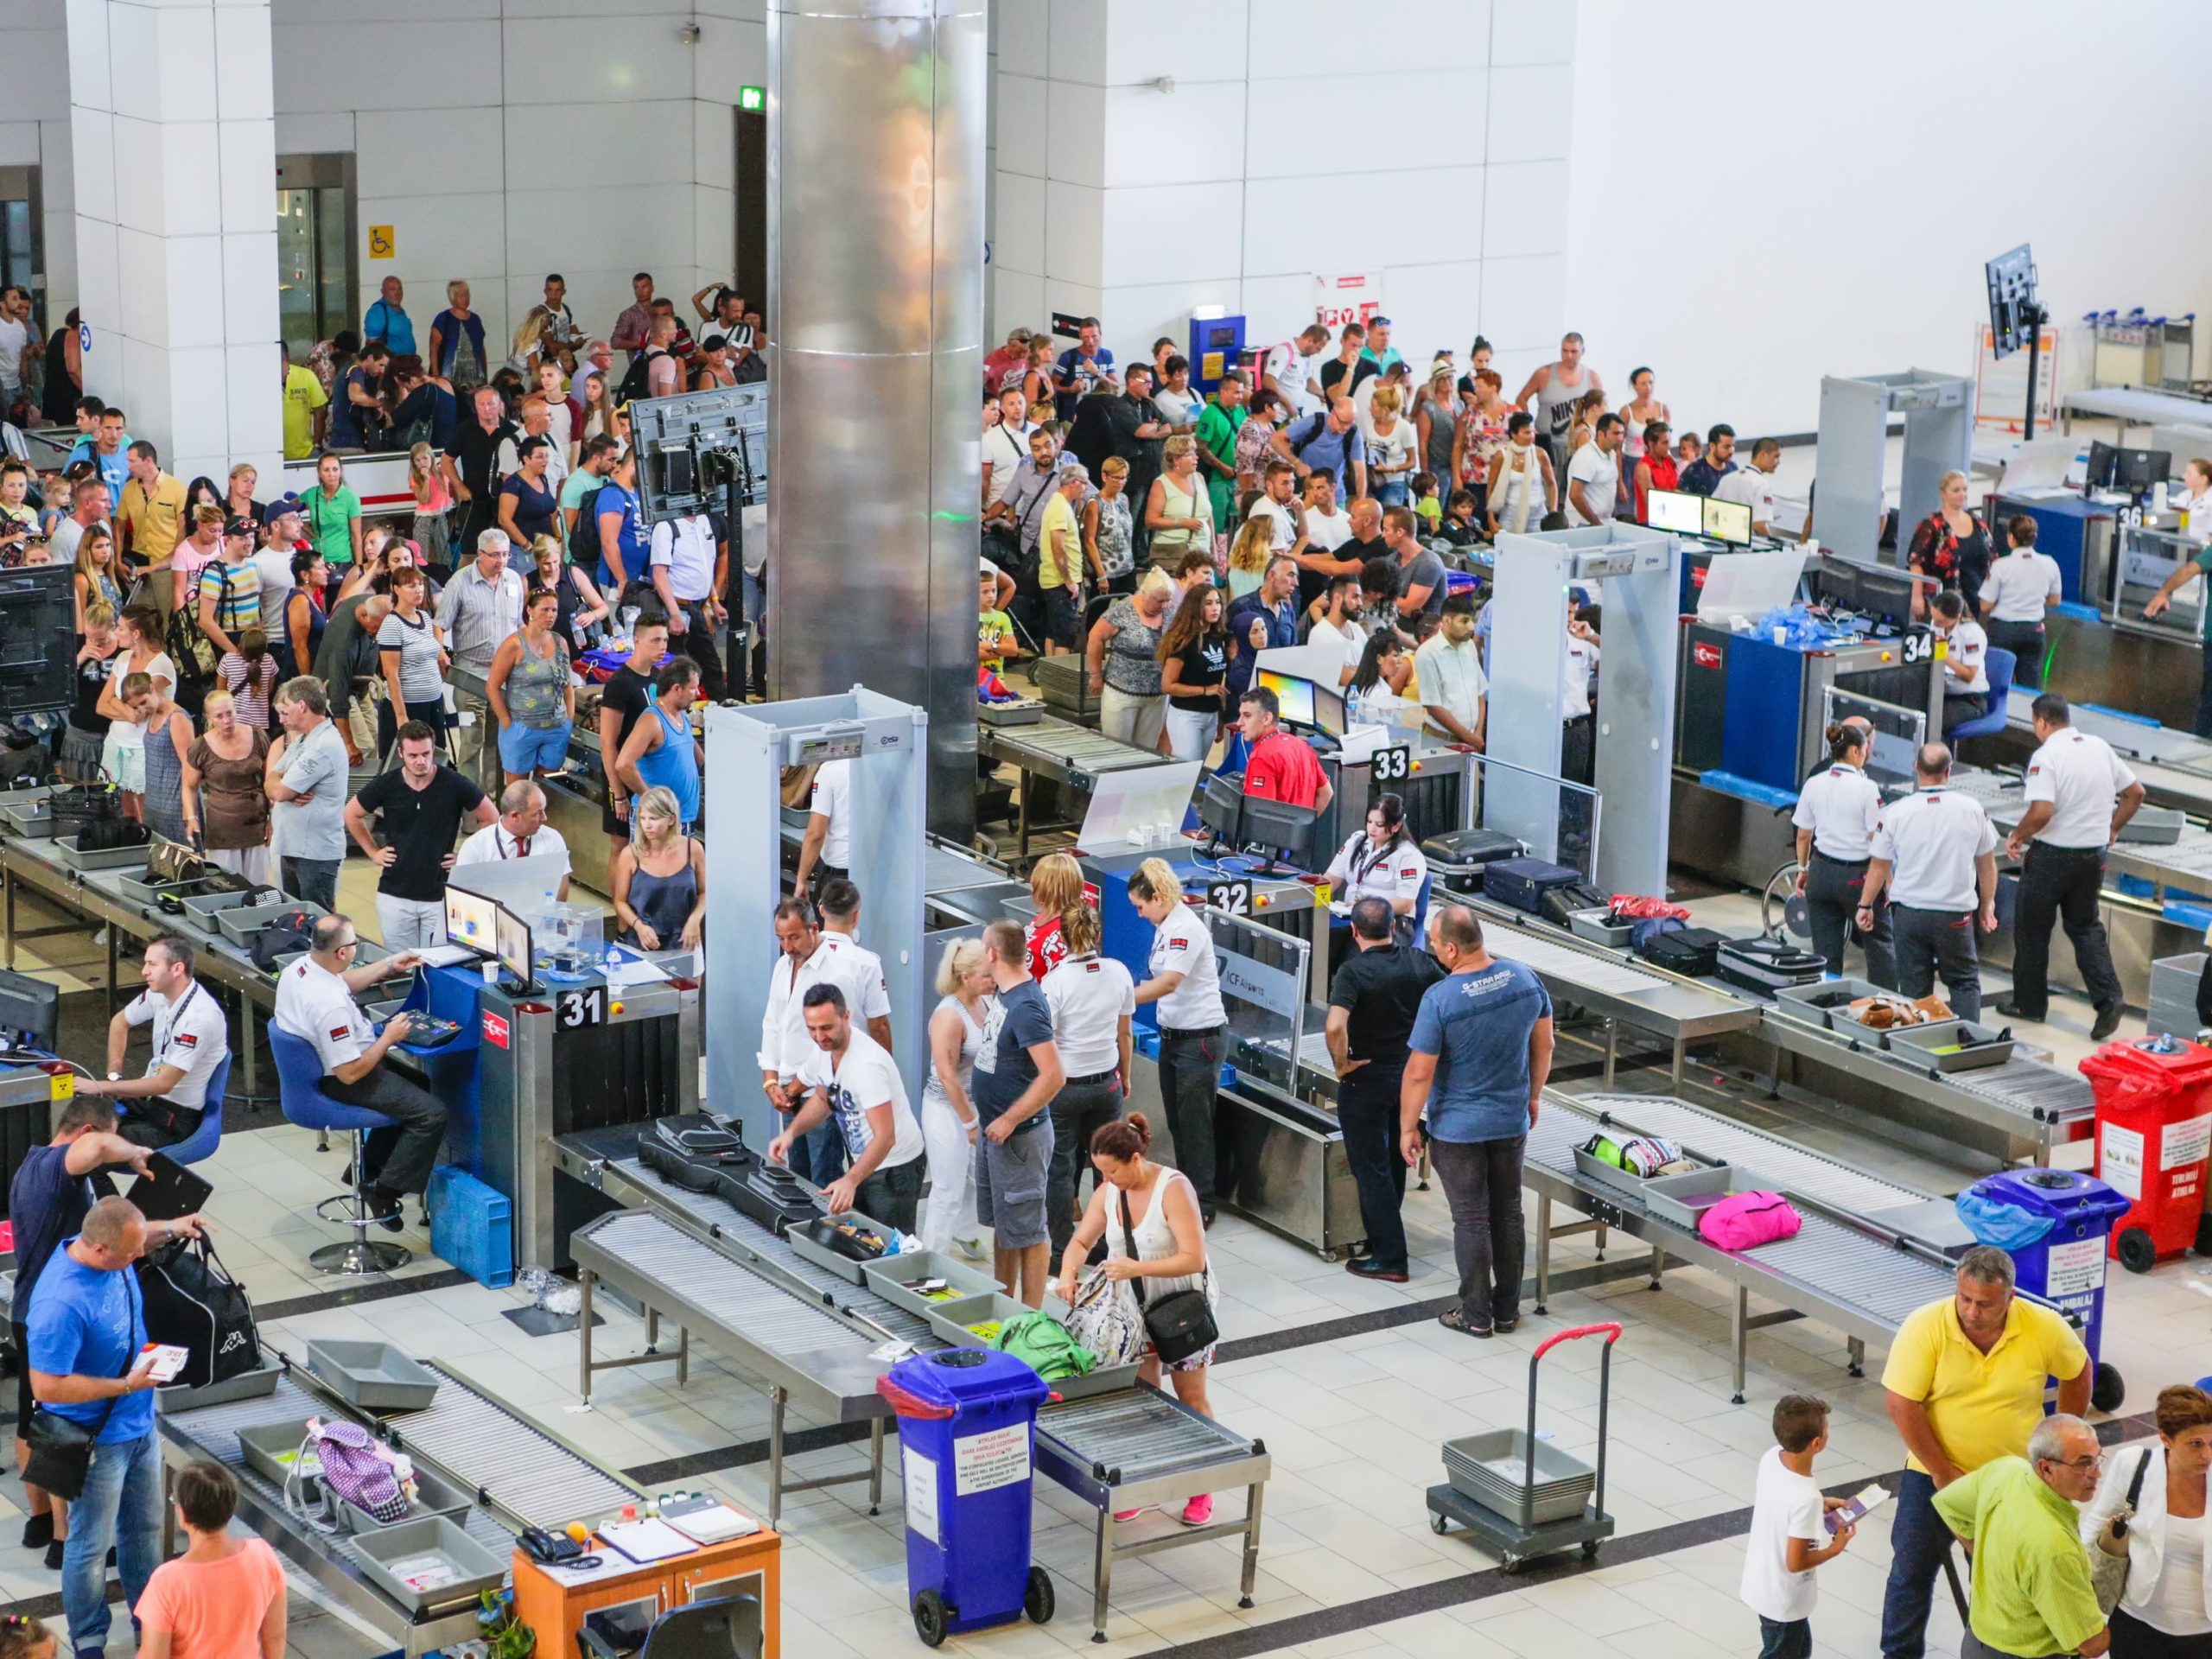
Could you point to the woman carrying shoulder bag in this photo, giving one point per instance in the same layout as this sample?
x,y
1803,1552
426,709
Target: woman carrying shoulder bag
x,y
2152,1567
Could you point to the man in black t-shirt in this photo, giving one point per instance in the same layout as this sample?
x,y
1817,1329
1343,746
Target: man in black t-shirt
x,y
622,704
473,469
422,804
1372,1000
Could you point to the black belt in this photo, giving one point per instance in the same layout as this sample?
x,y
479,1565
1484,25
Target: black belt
x,y
1193,1031
1576,719
2071,852
1095,1077
1846,863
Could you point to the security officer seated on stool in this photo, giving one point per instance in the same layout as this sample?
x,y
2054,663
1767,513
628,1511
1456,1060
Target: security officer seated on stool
x,y
190,1037
1935,855
315,1003
1965,667
1837,810
2080,794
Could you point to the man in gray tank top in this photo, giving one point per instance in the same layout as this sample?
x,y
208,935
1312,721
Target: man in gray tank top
x,y
1551,395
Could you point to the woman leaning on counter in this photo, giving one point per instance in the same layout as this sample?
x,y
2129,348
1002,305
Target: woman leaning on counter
x,y
2166,1610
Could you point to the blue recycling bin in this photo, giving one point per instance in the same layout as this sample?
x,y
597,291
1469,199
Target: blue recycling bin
x,y
2063,1259
967,1418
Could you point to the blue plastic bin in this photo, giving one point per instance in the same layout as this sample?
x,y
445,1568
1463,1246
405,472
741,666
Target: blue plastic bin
x,y
2066,1266
471,1226
967,1421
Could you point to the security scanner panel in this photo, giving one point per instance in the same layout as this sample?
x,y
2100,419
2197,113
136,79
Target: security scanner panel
x,y
37,639
697,448
1898,733
30,1014
1854,438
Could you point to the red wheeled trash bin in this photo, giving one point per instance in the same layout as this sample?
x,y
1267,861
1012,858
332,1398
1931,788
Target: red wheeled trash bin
x,y
2154,1127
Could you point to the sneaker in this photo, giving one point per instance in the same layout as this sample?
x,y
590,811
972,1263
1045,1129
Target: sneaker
x,y
38,1531
2108,1021
1199,1510
1453,1320
1366,1267
54,1555
1127,1514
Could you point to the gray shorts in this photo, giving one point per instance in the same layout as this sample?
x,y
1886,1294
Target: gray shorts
x,y
1010,1186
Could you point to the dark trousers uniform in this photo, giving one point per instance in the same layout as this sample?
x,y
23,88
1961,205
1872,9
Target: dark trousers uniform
x,y
1834,888
1367,1110
1932,943
2026,641
1190,1075
400,1158
2061,883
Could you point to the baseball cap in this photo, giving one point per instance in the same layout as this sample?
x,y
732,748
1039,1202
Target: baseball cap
x,y
284,503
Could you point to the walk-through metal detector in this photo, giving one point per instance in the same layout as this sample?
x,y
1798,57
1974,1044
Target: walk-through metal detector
x,y
1847,505
1633,571
747,748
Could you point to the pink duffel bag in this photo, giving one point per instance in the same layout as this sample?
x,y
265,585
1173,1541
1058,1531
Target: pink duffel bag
x,y
1743,1220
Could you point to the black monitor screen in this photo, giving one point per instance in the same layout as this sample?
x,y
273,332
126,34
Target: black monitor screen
x,y
1221,805
2142,471
1280,827
1836,582
30,1010
1885,594
2104,465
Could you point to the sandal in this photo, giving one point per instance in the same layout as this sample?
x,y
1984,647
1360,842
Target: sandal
x,y
1456,1319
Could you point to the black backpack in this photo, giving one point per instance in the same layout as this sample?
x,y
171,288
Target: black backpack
x,y
637,379
193,1303
293,930
583,538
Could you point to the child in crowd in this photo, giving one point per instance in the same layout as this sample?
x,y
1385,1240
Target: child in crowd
x,y
1426,506
23,1637
1789,1536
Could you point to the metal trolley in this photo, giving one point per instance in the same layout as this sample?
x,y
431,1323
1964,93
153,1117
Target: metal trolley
x,y
1557,1502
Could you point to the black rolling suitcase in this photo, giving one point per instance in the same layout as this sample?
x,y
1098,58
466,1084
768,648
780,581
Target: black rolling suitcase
x,y
1457,861
1691,950
1768,965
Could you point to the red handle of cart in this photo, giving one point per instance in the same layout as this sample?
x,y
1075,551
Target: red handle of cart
x,y
1612,1332
907,1404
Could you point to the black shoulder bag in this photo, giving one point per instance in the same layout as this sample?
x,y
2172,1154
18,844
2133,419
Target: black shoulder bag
x,y
1179,1324
61,1447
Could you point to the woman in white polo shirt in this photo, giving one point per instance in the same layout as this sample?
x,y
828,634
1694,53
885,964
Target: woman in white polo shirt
x,y
1837,809
1185,980
1382,861
1092,998
2018,588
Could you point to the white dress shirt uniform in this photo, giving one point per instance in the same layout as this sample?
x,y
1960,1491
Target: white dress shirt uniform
x,y
493,842
315,1005
1581,666
1967,662
2018,585
1748,486
2062,871
2081,778
1931,840
189,1033
1389,870
867,968
1840,805
784,1041
1182,945
832,798
1089,996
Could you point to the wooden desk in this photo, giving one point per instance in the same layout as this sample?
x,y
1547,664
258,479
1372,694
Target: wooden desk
x,y
743,1567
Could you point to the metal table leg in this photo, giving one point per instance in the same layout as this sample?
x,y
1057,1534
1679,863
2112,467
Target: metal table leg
x,y
1739,1335
1658,1261
1543,1249
585,1280
246,1037
1102,1570
114,939
1681,1048
875,1465
8,884
1251,1545
1856,1347
777,1400
1612,1047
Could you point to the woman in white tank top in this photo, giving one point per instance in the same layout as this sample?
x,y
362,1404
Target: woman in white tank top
x,y
948,1114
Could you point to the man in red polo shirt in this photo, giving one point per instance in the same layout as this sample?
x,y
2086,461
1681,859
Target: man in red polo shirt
x,y
1280,767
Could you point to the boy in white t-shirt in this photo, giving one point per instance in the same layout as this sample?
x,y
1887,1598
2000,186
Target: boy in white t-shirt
x,y
1789,1536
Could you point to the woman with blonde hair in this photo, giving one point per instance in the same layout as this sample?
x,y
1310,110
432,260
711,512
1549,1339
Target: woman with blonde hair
x,y
457,343
965,993
1950,547
433,529
660,878
240,504
225,803
1107,534
96,579
1055,887
523,351
1178,508
1124,653
1392,448
1248,554
1184,977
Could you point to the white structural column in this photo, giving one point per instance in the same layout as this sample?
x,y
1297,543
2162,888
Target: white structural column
x,y
172,117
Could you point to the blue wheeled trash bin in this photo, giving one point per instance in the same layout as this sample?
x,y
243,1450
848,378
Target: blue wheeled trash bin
x,y
967,1417
2055,1224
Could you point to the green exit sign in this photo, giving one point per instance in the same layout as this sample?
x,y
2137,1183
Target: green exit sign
x,y
752,99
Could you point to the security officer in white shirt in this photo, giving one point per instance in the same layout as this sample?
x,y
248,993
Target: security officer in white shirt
x,y
519,832
1092,1000
1382,861
315,1003
2018,589
1183,978
825,852
840,908
1578,753
190,1037
1934,855
805,962
1837,810
2080,794
1965,667
691,572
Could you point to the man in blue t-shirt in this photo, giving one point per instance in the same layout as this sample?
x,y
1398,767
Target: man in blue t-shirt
x,y
107,446
1017,1071
624,542
1332,440
1480,1051
87,1326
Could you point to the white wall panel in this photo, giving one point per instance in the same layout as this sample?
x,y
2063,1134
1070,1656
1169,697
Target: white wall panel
x,y
1194,40
1075,137
1171,233
39,70
586,59
1281,140
243,150
435,64
309,132
1017,302
1023,29
1077,45
451,235
714,140
1075,234
1019,244
250,286
1524,210
245,65
194,292
1142,314
18,144
730,54
142,308
89,87
625,142
1531,116
57,173
1532,31
1306,37
426,152
1523,304
1433,309
1024,141
386,12
1193,134
650,224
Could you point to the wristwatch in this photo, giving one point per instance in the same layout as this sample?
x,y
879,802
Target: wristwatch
x,y
115,1077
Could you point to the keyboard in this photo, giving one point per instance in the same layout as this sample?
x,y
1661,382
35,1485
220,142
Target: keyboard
x,y
423,1032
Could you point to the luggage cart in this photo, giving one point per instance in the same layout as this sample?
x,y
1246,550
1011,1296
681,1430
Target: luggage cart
x,y
1553,1502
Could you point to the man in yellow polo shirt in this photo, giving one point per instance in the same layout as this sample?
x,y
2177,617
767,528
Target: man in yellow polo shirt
x,y
151,518
305,404
2032,1595
1965,1381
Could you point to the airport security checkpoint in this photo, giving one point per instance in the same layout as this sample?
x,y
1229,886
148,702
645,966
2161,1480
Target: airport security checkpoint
x,y
1053,1124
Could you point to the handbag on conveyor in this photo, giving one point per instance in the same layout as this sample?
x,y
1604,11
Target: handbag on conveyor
x,y
692,1150
1766,963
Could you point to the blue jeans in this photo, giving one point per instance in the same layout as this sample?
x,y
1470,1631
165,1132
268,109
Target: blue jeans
x,y
121,1505
1918,1542
820,1154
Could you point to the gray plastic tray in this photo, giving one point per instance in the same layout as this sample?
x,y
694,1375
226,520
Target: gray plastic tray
x,y
239,923
201,910
268,1447
1612,1175
374,1376
247,1385
845,1267
890,1276
475,1567
1680,1199
1491,1468
1811,1003
1920,1044
1593,926
29,813
111,858
434,1495
951,1320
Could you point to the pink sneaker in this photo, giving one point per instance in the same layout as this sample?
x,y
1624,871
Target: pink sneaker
x,y
1198,1511
1127,1514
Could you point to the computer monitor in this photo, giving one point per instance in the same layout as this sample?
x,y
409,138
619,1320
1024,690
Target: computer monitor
x,y
1676,511
512,935
1728,521
2104,463
1885,594
1221,809
30,1013
1329,710
2141,471
1836,582
1898,733
1279,827
1294,695
471,920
